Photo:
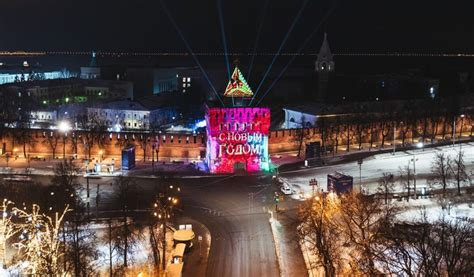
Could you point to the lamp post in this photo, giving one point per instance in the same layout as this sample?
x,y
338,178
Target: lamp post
x,y
394,134
414,159
359,162
64,127
166,200
462,125
153,157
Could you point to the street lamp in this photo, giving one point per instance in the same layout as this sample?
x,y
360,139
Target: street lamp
x,y
413,160
359,162
64,127
454,128
166,200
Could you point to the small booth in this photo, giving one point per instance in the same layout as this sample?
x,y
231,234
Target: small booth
x,y
184,236
128,158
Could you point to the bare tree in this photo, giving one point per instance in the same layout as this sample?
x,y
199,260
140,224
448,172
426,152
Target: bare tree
x,y
7,229
24,137
301,135
317,230
81,251
52,140
363,220
144,142
40,243
405,127
125,238
424,248
385,128
399,258
65,174
386,185
458,170
456,244
440,169
405,178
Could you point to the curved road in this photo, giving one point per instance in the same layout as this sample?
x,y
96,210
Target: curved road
x,y
241,237
242,241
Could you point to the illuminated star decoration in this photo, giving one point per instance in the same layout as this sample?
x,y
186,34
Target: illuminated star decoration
x,y
237,86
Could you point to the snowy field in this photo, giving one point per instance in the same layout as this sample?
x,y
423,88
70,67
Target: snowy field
x,y
374,166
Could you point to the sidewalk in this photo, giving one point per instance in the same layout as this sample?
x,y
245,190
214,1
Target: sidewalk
x,y
195,259
289,253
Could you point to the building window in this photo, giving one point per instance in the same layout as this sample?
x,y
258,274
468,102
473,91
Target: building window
x,y
189,79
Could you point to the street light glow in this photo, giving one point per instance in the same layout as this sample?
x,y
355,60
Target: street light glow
x,y
64,126
419,144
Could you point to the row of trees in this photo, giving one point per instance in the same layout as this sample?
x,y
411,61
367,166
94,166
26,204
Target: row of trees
x,y
95,137
357,235
378,123
52,230
446,172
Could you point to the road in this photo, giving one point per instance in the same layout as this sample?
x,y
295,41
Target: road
x,y
374,166
242,242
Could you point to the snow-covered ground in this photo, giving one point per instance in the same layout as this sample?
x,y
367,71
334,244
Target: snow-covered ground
x,y
374,166
141,259
414,210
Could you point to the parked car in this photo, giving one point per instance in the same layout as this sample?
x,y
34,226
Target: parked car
x,y
287,190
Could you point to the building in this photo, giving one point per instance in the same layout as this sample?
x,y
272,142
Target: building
x,y
237,137
93,71
324,68
301,116
43,118
120,115
129,115
154,81
72,90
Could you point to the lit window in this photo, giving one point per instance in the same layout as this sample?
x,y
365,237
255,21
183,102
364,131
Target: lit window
x,y
189,79
189,85
184,79
184,85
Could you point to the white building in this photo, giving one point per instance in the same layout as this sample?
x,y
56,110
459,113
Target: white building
x,y
298,118
43,118
121,115
6,78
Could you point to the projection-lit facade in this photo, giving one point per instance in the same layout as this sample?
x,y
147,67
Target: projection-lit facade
x,y
237,139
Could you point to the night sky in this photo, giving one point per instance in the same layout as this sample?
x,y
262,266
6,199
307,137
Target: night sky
x,y
352,26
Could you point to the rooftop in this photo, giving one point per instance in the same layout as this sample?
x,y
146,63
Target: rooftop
x,y
123,105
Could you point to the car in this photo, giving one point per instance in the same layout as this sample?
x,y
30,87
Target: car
x,y
286,190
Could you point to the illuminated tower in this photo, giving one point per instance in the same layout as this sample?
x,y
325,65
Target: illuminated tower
x,y
324,67
237,136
